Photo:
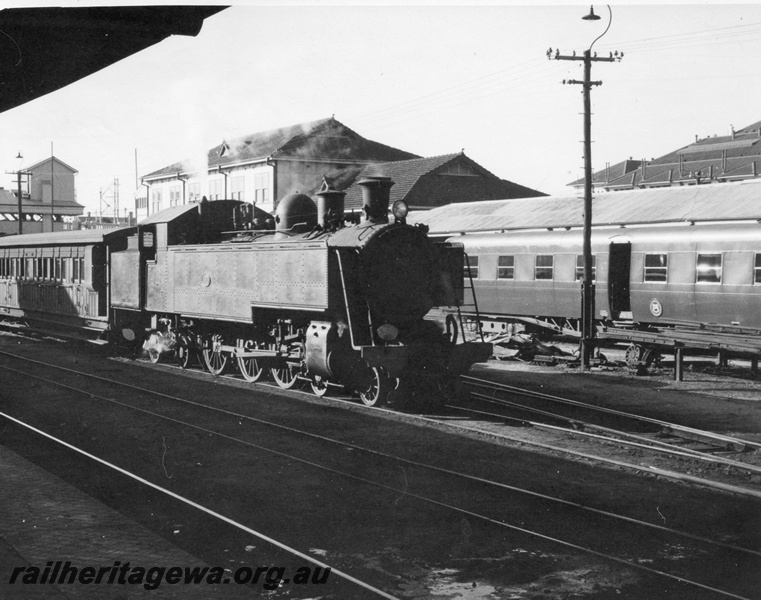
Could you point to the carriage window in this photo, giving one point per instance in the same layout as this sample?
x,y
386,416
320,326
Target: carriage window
x,y
506,267
64,262
709,268
656,267
544,264
580,267
757,269
471,261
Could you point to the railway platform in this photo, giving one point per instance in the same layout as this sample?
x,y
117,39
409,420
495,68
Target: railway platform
x,y
44,520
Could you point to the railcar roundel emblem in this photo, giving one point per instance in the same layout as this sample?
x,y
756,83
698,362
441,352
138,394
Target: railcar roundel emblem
x,y
206,280
656,307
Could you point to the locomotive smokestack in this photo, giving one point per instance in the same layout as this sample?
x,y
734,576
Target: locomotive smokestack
x,y
375,198
330,207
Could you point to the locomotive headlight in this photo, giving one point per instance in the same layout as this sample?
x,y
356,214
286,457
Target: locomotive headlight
x,y
400,210
388,333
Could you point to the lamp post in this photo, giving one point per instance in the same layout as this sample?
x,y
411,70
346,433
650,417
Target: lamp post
x,y
587,329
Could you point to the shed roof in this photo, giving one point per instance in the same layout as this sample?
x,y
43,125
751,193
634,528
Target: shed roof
x,y
715,202
407,176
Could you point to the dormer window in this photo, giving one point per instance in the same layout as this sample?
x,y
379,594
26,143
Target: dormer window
x,y
458,168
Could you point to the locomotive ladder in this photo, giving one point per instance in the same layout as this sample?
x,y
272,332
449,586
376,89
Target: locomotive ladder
x,y
475,302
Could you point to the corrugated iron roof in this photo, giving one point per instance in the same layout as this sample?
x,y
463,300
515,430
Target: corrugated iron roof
x,y
715,202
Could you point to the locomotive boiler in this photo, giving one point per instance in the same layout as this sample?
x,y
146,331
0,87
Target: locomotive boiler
x,y
308,298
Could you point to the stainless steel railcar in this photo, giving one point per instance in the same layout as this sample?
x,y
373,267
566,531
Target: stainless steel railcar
x,y
704,273
312,300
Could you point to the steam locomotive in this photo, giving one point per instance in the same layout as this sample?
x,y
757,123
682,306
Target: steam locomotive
x,y
306,297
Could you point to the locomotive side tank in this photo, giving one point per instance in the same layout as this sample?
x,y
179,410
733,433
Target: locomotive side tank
x,y
312,300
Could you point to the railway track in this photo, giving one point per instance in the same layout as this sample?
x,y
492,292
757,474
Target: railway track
x,y
598,423
442,476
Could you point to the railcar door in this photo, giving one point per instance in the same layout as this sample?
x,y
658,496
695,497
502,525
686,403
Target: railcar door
x,y
618,280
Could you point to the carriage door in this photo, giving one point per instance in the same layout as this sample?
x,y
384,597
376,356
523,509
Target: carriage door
x,y
618,280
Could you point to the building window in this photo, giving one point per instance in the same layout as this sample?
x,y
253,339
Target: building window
x,y
262,188
709,268
506,267
459,168
472,262
194,192
544,266
656,267
216,189
580,267
174,195
155,200
141,203
237,185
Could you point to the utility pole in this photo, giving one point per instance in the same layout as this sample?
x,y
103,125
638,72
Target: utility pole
x,y
18,173
587,329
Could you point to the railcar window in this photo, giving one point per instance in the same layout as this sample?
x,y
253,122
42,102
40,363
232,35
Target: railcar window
x,y
544,266
580,267
506,267
709,268
757,269
471,261
656,267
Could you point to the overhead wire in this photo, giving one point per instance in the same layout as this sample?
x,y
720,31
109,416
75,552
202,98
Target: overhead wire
x,y
503,80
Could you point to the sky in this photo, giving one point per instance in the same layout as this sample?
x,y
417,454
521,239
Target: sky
x,y
435,78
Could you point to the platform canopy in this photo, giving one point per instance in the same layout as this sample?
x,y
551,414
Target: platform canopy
x,y
45,49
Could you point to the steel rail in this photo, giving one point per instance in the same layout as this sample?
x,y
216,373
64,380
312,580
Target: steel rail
x,y
688,431
204,509
639,440
608,557
370,451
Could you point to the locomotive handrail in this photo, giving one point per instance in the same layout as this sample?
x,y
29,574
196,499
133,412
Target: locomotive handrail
x,y
346,301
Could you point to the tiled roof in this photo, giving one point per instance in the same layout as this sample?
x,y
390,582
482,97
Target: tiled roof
x,y
322,139
422,182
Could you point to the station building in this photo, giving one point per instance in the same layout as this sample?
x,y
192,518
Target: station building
x,y
265,167
48,199
714,159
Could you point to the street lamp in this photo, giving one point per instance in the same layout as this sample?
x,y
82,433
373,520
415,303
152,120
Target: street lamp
x,y
19,173
587,329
